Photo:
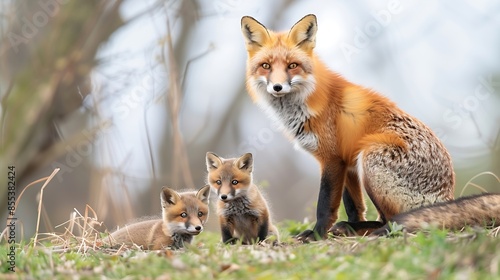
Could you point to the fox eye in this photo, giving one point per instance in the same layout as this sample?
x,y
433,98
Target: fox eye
x,y
184,214
234,182
292,65
200,214
266,65
218,182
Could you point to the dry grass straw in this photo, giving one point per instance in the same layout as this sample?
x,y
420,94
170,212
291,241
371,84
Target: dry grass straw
x,y
82,232
40,202
494,232
16,205
470,183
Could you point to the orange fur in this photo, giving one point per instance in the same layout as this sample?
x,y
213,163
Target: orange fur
x,y
183,217
360,138
243,211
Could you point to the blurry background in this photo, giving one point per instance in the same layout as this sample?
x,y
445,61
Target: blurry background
x,y
128,96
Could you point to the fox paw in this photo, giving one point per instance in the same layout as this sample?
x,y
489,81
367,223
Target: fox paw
x,y
307,235
342,229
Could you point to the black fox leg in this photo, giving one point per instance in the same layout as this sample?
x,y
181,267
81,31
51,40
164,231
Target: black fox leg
x,y
330,194
263,231
226,233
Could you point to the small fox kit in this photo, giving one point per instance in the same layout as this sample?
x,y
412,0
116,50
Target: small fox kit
x,y
243,212
360,138
183,216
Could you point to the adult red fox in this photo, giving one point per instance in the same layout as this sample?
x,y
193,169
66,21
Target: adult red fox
x,y
183,216
243,212
360,138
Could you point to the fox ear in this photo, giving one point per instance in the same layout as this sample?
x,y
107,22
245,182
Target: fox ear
x,y
303,33
245,162
213,161
254,32
204,194
169,197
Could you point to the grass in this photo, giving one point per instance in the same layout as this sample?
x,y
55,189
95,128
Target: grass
x,y
472,253
438,254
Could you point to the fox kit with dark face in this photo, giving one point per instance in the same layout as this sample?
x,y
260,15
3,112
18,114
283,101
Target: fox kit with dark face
x,y
243,212
183,216
360,138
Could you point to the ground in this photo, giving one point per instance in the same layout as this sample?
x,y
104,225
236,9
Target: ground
x,y
435,254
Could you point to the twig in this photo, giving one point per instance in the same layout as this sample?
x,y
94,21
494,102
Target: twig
x,y
16,205
150,147
210,48
174,101
477,186
40,202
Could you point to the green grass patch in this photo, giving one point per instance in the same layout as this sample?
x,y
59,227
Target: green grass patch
x,y
438,254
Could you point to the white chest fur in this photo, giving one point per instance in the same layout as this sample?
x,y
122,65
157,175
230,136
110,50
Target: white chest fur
x,y
291,114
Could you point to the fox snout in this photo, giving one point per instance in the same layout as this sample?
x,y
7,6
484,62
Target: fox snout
x,y
195,229
278,89
226,197
185,228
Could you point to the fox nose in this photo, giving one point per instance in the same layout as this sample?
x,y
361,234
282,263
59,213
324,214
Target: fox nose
x,y
198,228
277,87
223,196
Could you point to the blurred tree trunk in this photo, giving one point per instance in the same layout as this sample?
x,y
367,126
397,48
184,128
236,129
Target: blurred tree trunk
x,y
48,50
175,160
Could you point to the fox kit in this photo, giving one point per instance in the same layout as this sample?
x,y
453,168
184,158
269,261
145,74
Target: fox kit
x,y
243,212
360,138
183,216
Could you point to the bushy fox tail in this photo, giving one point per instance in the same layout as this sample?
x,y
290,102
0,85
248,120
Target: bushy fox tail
x,y
478,210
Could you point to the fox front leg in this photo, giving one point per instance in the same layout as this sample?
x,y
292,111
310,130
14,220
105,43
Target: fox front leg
x,y
263,231
330,195
227,235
